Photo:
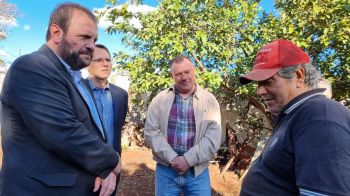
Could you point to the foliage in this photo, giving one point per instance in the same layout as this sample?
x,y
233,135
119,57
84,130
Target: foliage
x,y
222,37
7,14
216,35
323,29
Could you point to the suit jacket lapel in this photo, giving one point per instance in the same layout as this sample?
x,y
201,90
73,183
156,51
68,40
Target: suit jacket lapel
x,y
87,86
52,56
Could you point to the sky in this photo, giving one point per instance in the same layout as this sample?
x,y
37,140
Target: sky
x,y
27,32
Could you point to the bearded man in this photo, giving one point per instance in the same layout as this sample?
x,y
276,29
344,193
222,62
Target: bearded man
x,y
53,140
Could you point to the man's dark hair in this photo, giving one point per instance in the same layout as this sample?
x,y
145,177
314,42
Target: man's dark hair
x,y
103,47
178,59
62,15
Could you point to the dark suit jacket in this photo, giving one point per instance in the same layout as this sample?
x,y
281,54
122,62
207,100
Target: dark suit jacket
x,y
120,108
51,145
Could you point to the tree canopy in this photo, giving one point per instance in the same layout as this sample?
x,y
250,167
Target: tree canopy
x,y
222,37
7,15
323,29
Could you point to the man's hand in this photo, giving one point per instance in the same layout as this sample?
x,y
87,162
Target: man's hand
x,y
180,164
118,168
98,182
107,185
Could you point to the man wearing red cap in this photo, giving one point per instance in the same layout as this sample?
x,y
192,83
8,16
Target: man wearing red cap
x,y
308,152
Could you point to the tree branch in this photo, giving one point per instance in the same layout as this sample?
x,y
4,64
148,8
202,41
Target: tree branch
x,y
201,66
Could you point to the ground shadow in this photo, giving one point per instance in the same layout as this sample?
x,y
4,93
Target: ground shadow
x,y
139,182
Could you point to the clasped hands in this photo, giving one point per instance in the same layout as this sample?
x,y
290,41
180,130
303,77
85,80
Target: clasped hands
x,y
180,164
108,184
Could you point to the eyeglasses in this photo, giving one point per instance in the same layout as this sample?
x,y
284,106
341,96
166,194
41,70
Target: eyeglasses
x,y
101,60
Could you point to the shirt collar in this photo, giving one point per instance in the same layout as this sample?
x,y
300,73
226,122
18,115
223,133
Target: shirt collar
x,y
298,100
92,85
76,74
195,93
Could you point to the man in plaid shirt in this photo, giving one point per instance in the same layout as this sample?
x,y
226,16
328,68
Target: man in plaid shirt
x,y
183,128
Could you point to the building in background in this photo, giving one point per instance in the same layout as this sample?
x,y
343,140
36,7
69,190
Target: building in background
x,y
2,75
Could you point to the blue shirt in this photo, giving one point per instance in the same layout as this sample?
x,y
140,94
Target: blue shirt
x,y
76,75
104,103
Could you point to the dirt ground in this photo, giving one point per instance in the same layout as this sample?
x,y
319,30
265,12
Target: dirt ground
x,y
139,169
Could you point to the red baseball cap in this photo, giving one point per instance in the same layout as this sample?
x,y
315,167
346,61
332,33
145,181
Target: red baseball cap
x,y
272,57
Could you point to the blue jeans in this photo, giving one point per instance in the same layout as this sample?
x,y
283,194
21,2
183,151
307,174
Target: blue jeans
x,y
169,182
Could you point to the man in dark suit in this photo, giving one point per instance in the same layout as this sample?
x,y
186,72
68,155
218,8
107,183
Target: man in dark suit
x,y
52,138
111,100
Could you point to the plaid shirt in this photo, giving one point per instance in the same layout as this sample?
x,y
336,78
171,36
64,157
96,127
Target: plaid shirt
x,y
181,125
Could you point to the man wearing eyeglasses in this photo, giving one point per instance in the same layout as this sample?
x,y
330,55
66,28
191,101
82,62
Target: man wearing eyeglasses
x,y
111,100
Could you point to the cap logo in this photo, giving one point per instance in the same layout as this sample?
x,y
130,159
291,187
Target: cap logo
x,y
263,56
